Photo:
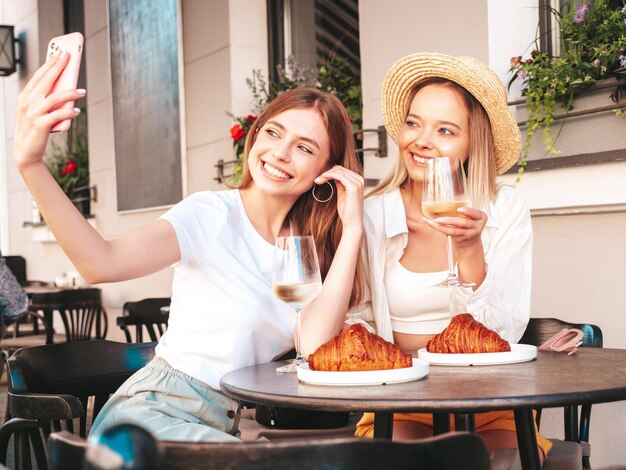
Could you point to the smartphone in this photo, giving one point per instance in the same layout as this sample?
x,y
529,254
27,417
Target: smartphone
x,y
68,79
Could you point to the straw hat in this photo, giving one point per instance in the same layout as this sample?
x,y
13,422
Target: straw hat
x,y
471,74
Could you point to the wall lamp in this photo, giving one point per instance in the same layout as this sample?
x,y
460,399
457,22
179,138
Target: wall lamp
x,y
8,59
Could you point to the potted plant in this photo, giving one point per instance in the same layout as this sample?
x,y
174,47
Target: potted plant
x,y
593,47
68,163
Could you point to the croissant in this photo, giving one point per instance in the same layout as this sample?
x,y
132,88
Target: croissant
x,y
358,349
466,335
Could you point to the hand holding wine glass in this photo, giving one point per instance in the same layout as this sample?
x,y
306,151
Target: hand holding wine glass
x,y
444,191
297,281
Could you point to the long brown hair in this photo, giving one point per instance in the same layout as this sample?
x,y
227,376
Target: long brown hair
x,y
481,170
308,216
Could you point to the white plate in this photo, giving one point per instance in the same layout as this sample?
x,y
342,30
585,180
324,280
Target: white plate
x,y
518,353
366,377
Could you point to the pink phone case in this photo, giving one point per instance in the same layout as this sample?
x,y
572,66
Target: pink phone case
x,y
72,44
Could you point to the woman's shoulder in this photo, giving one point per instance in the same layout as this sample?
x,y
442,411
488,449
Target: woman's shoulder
x,y
217,200
508,196
509,203
384,215
375,204
204,207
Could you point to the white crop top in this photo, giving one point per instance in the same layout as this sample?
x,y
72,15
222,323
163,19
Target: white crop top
x,y
415,306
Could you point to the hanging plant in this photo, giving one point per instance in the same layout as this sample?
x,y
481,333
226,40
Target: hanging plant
x,y
593,47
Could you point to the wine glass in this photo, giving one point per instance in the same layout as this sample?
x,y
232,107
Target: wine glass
x,y
445,190
297,281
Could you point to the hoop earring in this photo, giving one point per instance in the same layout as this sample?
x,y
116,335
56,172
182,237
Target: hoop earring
x,y
332,191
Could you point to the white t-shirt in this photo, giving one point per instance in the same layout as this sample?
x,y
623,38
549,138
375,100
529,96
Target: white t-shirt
x,y
223,314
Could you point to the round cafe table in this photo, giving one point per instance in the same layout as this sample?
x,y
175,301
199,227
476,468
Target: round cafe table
x,y
592,375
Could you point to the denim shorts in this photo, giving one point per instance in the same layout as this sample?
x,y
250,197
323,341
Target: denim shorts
x,y
172,406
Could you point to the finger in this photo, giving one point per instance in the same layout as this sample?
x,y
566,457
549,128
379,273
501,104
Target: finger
x,y
39,74
337,169
472,213
453,221
439,226
48,120
342,175
47,74
349,184
435,225
57,100
460,222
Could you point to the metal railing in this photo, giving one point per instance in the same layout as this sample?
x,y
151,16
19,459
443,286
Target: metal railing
x,y
381,150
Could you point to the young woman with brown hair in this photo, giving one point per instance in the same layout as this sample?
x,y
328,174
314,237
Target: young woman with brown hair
x,y
223,314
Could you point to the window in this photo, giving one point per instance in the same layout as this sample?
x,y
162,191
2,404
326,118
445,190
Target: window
x,y
549,32
312,31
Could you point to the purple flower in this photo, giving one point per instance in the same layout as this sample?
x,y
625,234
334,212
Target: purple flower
x,y
622,61
521,74
580,13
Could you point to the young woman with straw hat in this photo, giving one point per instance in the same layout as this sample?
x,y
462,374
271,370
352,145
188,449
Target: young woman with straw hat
x,y
435,105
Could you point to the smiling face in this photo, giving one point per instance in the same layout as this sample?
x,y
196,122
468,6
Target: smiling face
x,y
291,149
437,125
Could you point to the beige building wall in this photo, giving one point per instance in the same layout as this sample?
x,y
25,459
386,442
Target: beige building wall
x,y
395,28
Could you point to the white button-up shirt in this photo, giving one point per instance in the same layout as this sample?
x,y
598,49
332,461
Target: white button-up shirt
x,y
502,302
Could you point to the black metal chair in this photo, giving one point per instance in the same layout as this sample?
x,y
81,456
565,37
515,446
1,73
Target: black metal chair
x,y
144,314
537,332
453,451
52,384
81,312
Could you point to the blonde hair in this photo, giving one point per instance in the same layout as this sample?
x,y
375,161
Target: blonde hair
x,y
481,164
308,216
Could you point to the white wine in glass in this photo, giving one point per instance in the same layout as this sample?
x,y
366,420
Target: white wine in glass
x,y
297,281
444,190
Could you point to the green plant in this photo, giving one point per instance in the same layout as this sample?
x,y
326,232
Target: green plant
x,y
335,77
69,162
593,47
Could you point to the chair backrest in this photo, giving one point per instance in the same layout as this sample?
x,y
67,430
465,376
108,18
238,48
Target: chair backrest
x,y
80,310
452,451
135,449
77,370
540,330
144,314
459,451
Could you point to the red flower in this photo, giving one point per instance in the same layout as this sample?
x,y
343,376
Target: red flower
x,y
69,168
529,61
237,132
251,118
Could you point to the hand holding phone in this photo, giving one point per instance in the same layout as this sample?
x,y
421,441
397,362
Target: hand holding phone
x,y
68,79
